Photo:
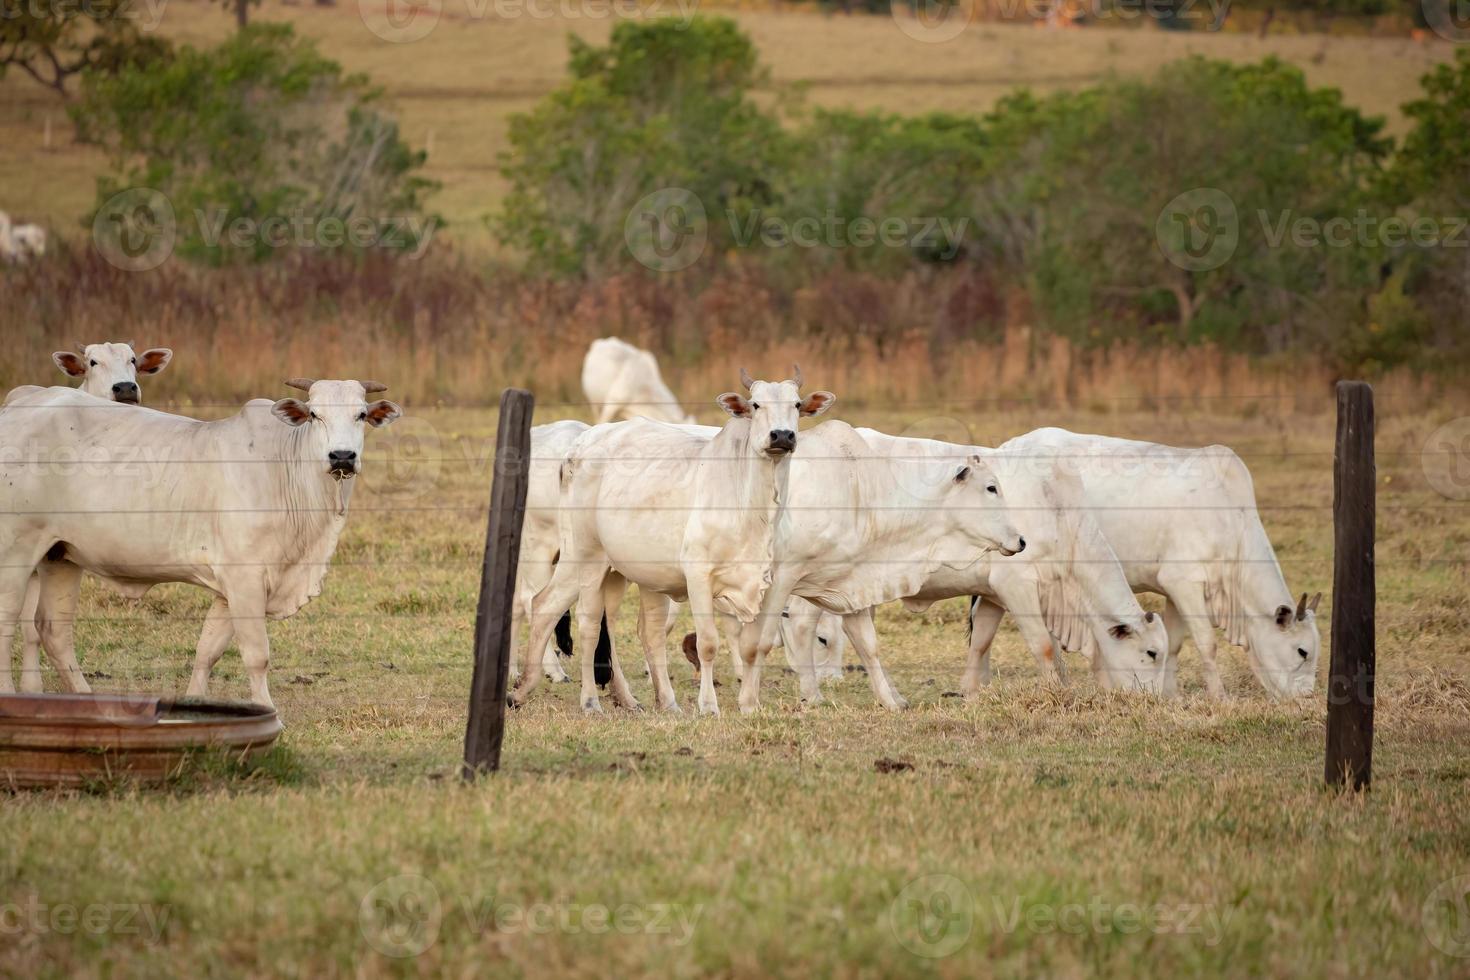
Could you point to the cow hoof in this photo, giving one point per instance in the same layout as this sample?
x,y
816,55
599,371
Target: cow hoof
x,y
672,708
592,706
632,706
511,702
900,703
711,710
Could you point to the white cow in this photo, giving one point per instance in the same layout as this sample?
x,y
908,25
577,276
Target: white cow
x,y
249,507
1067,590
18,243
623,381
1185,525
684,516
858,528
107,370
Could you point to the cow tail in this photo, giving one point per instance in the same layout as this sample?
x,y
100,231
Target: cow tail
x,y
602,659
564,634
970,621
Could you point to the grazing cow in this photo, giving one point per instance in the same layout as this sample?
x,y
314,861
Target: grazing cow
x,y
18,243
108,370
860,527
254,516
1185,525
623,381
1066,591
804,626
682,515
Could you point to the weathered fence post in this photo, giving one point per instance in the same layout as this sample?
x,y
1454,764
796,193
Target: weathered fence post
x,y
1350,679
486,727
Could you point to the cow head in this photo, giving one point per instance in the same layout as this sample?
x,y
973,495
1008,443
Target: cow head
x,y
774,407
1131,653
111,370
1284,647
336,414
976,494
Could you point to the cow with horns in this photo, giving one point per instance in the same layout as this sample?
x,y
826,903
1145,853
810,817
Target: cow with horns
x,y
248,507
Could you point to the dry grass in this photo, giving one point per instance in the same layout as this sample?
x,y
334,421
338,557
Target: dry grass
x,y
455,89
779,831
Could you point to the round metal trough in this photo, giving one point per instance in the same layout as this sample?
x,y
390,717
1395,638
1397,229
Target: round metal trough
x,y
75,739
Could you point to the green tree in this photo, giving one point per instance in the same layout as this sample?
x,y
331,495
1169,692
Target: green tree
x,y
51,42
261,128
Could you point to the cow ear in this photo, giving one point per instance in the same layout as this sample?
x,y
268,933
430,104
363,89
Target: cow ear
x,y
734,404
962,475
1284,616
381,413
291,411
817,402
1312,606
1121,631
69,363
1148,617
155,360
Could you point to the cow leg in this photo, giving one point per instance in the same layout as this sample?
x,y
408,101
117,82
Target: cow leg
x,y
14,581
985,617
556,598
1190,605
653,630
613,588
59,584
732,630
247,607
707,641
799,637
1175,626
30,649
214,640
864,638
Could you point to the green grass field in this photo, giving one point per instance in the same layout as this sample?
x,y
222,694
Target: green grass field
x,y
1037,831
455,89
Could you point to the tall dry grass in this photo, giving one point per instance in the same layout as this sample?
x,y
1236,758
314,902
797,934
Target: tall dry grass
x,y
444,330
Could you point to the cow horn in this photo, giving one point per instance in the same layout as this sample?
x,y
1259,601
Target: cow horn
x,y
373,387
1312,606
746,379
303,384
1301,608
797,369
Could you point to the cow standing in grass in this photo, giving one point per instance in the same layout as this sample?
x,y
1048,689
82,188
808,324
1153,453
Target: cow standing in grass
x,y
249,507
111,371
1184,524
623,382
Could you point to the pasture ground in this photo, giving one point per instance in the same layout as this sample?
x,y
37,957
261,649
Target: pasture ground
x,y
1081,832
454,90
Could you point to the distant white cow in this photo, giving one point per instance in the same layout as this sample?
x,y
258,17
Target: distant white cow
x,y
19,243
107,370
623,381
682,515
252,511
1184,524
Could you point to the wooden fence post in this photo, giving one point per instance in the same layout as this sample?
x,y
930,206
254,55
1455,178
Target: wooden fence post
x,y
486,728
1350,678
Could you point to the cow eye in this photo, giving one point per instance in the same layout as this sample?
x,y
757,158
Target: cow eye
x,y
755,405
798,406
92,363
991,489
362,416
133,361
1152,654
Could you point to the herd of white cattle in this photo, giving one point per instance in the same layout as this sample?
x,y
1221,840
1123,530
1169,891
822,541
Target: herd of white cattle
x,y
20,243
772,534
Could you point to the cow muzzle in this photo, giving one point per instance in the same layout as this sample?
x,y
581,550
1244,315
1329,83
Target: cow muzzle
x,y
126,392
783,441
342,463
1020,547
